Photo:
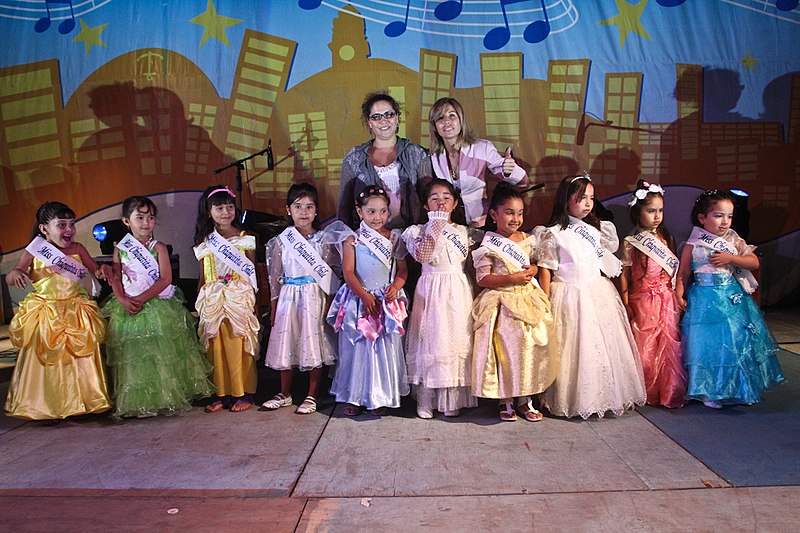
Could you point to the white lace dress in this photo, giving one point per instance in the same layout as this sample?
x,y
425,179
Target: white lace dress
x,y
439,339
600,369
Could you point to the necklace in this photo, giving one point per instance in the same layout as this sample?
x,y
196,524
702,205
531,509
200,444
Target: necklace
x,y
453,162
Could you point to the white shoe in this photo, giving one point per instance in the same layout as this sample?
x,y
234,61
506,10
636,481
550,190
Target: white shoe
x,y
277,401
424,412
453,413
712,404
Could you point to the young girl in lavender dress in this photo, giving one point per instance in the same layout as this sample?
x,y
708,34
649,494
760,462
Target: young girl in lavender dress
x,y
369,312
646,287
439,341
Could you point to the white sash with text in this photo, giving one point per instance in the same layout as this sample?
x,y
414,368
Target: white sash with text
x,y
143,262
379,245
232,257
701,237
610,265
63,265
655,249
299,248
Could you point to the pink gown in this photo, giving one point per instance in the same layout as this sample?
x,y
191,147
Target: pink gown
x,y
654,322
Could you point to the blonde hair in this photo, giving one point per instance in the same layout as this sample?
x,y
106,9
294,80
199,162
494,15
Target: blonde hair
x,y
465,137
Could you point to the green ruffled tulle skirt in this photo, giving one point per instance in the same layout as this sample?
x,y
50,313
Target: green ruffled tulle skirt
x,y
157,363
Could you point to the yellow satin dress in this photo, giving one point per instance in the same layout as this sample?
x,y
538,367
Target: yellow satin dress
x,y
59,371
228,326
510,357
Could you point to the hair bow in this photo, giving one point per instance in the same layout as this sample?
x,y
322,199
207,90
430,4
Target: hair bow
x,y
642,193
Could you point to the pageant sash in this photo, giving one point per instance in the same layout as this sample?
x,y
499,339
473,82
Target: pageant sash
x,y
379,245
701,237
455,239
143,262
231,256
506,249
651,246
609,264
298,247
63,265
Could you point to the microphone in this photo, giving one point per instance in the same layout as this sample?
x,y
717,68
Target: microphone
x,y
270,158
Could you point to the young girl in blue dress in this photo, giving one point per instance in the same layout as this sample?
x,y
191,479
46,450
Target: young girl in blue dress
x,y
157,363
729,352
369,312
303,264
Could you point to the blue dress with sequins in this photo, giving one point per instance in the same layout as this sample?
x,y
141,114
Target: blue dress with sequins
x,y
730,354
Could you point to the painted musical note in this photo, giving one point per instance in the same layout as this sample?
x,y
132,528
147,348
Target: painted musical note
x,y
448,10
786,5
309,4
670,3
397,28
536,32
65,27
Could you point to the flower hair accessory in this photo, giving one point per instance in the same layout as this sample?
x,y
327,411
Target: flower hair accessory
x,y
222,189
642,193
371,191
584,176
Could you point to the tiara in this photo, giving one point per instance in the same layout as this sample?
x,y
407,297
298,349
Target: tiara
x,y
642,193
584,176
221,189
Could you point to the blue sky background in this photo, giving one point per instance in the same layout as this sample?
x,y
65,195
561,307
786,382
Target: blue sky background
x,y
714,33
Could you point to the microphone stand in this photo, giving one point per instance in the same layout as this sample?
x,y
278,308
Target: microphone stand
x,y
239,164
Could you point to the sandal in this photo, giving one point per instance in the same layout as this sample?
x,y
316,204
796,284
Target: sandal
x,y
276,402
529,412
308,406
217,405
242,404
507,414
352,410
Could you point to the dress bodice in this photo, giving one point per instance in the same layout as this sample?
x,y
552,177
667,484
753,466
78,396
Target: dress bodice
x,y
213,268
371,271
570,256
133,282
49,284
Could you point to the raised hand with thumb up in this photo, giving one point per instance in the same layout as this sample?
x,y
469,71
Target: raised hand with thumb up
x,y
508,163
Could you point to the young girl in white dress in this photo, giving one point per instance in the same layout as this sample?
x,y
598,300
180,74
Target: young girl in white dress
x,y
369,312
600,368
511,315
439,342
303,264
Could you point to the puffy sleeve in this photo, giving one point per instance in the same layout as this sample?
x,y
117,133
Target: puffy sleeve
x,y
274,267
741,246
399,251
608,236
201,250
546,251
626,254
483,262
246,242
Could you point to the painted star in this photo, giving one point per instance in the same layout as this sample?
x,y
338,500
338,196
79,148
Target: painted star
x,y
214,25
90,36
628,20
748,61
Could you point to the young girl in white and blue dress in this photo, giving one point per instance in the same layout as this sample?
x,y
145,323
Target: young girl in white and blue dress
x,y
729,353
439,340
511,314
157,363
600,369
226,301
369,312
303,264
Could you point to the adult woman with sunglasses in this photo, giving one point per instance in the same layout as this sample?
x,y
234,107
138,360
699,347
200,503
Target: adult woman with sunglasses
x,y
386,160
460,157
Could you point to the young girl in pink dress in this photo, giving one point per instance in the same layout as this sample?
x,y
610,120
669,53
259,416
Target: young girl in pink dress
x,y
647,290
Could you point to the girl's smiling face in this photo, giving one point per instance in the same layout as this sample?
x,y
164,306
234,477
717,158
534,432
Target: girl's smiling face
x,y
59,231
141,223
223,214
719,217
374,213
579,207
508,216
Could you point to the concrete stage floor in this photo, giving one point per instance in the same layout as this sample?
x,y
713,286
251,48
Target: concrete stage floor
x,y
277,471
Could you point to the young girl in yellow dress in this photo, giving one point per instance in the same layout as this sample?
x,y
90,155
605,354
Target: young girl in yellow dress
x,y
226,301
58,328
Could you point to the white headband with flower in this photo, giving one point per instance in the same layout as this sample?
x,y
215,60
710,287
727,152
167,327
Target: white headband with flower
x,y
641,194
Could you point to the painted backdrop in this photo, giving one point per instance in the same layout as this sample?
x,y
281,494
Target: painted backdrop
x,y
101,99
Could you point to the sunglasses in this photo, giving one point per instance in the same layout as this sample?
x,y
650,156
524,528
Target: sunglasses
x,y
376,117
